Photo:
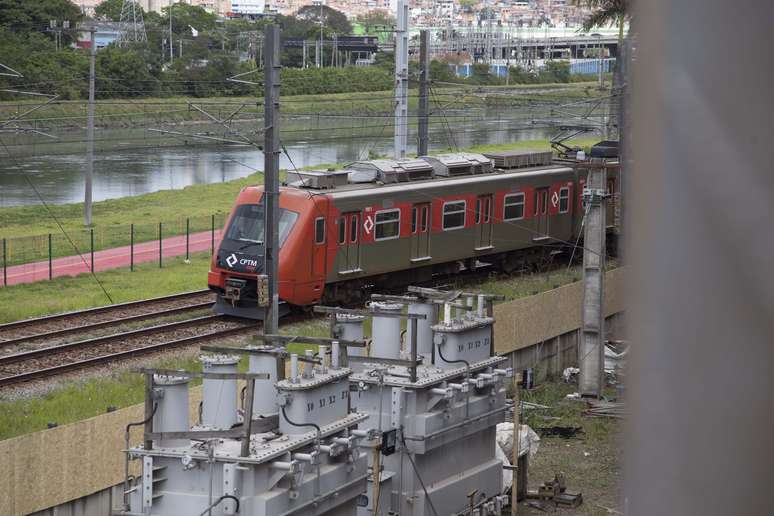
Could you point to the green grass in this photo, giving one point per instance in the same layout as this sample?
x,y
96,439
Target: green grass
x,y
90,397
73,293
121,113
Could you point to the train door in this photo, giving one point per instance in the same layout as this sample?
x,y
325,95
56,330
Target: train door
x,y
420,231
318,249
483,219
348,257
610,214
541,213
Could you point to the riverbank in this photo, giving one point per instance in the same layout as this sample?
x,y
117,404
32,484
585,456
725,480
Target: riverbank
x,y
170,207
132,113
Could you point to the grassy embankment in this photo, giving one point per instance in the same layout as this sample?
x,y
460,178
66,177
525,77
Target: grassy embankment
x,y
590,461
125,113
90,397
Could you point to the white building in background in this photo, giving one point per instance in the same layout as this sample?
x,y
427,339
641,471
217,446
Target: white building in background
x,y
248,7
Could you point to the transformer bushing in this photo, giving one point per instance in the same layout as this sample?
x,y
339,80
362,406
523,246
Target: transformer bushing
x,y
265,399
171,398
311,470
385,331
219,397
424,329
445,424
350,327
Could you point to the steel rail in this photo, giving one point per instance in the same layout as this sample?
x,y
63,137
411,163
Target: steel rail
x,y
81,364
89,343
100,309
104,324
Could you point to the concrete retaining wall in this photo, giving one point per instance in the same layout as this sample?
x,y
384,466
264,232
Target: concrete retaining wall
x,y
72,470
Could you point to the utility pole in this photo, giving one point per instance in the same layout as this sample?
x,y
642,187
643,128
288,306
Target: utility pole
x,y
271,150
401,80
592,345
424,92
171,46
90,131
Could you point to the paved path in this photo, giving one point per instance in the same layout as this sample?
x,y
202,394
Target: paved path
x,y
110,258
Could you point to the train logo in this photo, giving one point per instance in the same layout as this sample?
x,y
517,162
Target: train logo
x,y
232,260
368,225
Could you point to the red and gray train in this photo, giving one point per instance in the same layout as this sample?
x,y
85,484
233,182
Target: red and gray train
x,y
382,224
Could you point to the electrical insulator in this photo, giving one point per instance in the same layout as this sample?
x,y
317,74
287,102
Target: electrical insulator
x,y
262,289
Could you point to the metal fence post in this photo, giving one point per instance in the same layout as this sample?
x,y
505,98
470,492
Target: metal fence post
x,y
187,237
50,264
131,247
5,262
92,249
160,245
212,232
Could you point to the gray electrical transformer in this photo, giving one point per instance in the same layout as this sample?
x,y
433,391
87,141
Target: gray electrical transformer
x,y
439,413
405,430
312,466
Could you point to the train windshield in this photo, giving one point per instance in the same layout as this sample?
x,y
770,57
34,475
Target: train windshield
x,y
247,225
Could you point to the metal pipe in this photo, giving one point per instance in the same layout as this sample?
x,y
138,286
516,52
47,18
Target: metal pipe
x,y
294,367
335,348
309,364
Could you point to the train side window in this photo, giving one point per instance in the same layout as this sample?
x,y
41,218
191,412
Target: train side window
x,y
478,211
353,228
387,224
319,230
513,208
564,200
413,220
454,215
487,210
423,223
544,201
342,229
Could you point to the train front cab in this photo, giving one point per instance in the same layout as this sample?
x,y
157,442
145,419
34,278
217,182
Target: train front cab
x,y
240,255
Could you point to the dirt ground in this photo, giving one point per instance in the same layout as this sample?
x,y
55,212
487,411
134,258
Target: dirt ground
x,y
590,461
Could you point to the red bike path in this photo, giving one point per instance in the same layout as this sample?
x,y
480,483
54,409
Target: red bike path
x,y
106,259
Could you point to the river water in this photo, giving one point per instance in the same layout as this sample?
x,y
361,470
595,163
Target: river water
x,y
59,178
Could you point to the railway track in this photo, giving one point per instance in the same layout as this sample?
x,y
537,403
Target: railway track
x,y
54,360
84,321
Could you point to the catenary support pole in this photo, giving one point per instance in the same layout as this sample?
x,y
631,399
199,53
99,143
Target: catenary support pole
x,y
592,347
401,80
271,150
424,92
187,239
91,238
212,234
90,132
50,259
5,262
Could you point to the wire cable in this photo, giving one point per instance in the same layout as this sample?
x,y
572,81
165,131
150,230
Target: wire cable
x,y
416,472
58,223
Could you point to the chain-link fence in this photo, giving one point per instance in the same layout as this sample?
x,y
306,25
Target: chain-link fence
x,y
54,254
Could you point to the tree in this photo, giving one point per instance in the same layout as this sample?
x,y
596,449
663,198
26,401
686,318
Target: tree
x,y
376,19
26,16
333,20
111,10
556,71
605,13
185,16
123,72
